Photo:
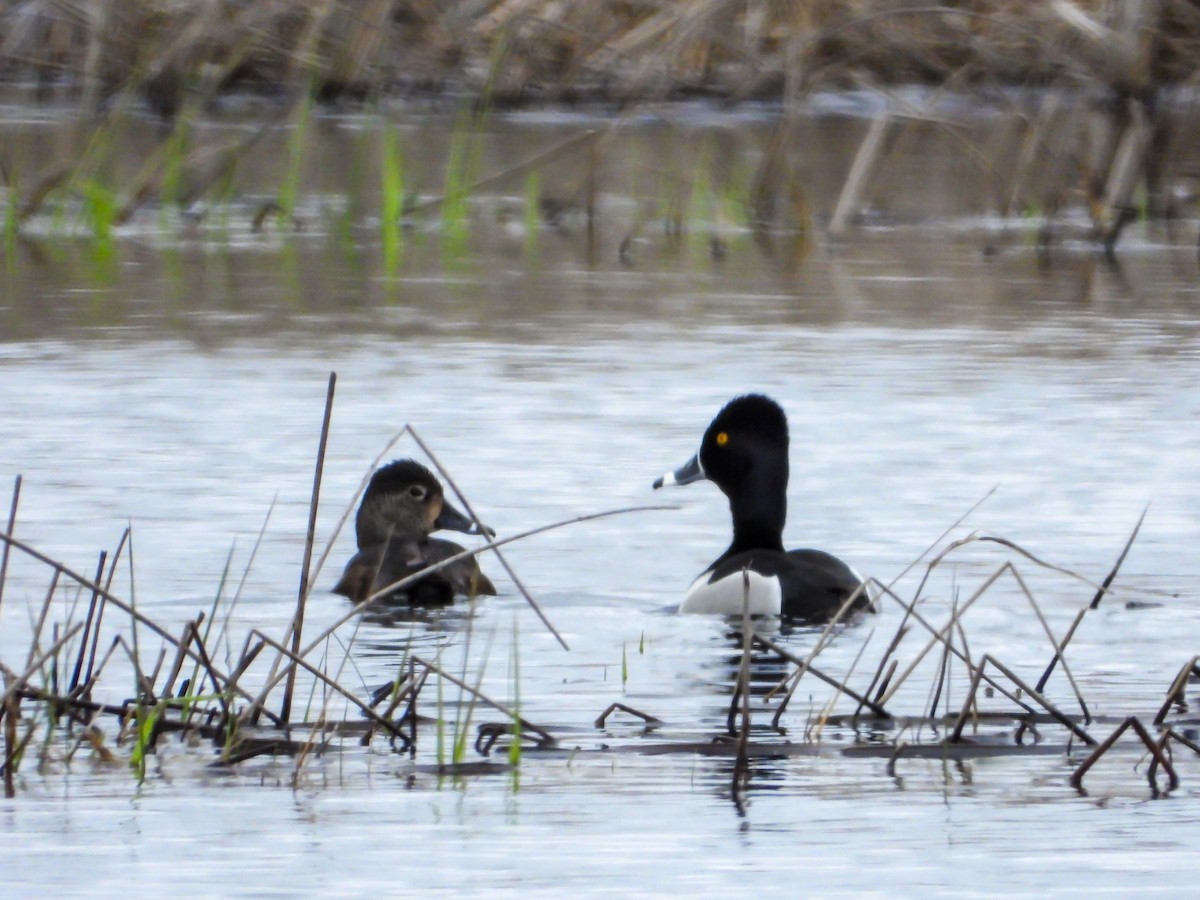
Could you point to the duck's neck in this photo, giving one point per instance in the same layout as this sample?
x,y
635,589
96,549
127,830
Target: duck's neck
x,y
759,511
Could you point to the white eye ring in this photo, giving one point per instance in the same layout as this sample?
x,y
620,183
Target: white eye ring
x,y
417,492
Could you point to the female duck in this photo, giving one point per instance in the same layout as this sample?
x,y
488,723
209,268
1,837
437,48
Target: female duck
x,y
745,453
402,505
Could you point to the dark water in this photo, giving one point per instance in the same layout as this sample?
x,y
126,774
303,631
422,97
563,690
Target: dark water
x,y
177,386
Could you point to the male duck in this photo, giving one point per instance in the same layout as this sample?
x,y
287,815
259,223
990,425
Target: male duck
x,y
402,504
745,453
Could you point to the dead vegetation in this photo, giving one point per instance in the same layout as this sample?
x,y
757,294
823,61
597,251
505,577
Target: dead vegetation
x,y
1098,98
558,50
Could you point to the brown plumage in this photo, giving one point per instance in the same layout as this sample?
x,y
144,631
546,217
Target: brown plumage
x,y
402,505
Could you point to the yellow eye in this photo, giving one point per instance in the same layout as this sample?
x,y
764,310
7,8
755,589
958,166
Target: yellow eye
x,y
722,439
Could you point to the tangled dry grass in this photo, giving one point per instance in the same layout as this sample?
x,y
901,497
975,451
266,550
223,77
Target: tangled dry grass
x,y
556,50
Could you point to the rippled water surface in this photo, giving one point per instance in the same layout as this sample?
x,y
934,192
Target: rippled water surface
x,y
178,388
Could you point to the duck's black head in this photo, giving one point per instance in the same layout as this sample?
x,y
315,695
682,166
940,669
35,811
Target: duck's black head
x,y
748,438
744,452
404,501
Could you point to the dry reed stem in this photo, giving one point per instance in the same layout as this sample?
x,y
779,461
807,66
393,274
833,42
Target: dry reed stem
x,y
1176,691
127,608
93,675
297,625
1053,643
300,662
941,680
41,619
865,162
823,717
12,524
928,571
822,642
1062,718
1151,745
1101,591
771,645
87,625
940,635
219,689
602,719
14,684
87,584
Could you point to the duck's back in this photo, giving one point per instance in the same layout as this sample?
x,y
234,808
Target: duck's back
x,y
464,577
817,584
801,584
374,568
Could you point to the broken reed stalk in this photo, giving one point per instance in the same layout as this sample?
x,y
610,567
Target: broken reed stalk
x,y
547,739
1178,686
500,556
943,669
1083,708
940,635
130,610
10,709
886,686
366,710
771,645
298,621
1033,692
273,681
865,163
900,629
602,719
218,689
12,524
88,584
1101,591
93,674
1153,746
15,685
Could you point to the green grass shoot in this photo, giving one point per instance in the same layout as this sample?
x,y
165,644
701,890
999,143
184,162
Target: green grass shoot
x,y
392,202
532,214
514,747
174,151
99,212
289,189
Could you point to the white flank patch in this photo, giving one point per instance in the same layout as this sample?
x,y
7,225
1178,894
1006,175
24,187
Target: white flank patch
x,y
725,597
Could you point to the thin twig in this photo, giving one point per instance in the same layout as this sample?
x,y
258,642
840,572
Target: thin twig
x,y
500,556
12,522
